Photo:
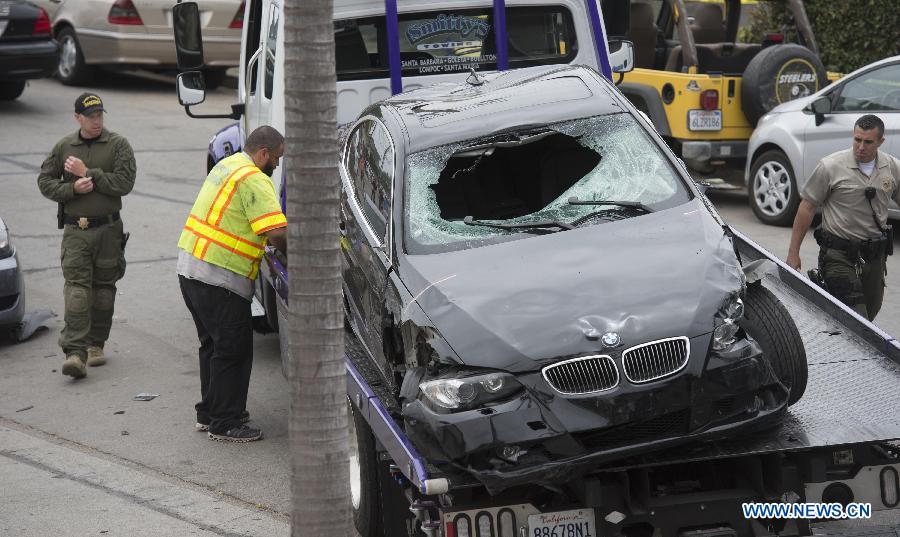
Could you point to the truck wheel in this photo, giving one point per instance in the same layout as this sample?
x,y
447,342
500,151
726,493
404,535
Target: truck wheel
x,y
778,74
10,90
773,189
364,496
71,70
768,322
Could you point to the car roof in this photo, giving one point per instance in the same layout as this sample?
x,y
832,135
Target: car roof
x,y
494,102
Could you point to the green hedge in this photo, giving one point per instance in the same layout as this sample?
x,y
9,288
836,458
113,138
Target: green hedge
x,y
850,34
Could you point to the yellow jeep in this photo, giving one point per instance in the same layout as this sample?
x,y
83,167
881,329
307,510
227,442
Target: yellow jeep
x,y
702,89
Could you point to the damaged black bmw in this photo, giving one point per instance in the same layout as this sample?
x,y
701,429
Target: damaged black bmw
x,y
539,287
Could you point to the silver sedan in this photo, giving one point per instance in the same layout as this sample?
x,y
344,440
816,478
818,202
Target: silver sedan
x,y
138,33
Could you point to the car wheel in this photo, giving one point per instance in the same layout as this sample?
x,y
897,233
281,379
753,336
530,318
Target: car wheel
x,y
71,71
768,322
778,74
364,497
213,78
773,189
10,91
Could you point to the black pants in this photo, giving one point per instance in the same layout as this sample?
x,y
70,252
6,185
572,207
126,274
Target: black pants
x,y
224,326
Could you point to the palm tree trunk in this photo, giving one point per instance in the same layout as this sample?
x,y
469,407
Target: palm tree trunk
x,y
318,417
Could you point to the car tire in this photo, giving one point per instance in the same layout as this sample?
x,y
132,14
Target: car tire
x,y
768,322
72,71
214,78
365,498
767,80
11,90
772,189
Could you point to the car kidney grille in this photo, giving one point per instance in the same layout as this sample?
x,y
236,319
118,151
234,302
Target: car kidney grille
x,y
582,375
655,360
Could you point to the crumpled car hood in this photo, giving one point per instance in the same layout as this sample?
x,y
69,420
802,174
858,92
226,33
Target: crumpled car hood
x,y
521,304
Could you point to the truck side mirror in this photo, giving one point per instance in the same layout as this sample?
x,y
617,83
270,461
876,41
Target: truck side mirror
x,y
621,55
820,108
191,88
188,38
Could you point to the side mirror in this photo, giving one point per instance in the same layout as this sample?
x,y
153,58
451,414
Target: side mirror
x,y
820,108
621,55
191,88
188,38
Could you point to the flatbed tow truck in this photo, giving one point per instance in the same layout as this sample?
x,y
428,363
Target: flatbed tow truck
x,y
835,446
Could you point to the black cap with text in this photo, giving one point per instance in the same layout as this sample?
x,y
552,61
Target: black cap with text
x,y
88,103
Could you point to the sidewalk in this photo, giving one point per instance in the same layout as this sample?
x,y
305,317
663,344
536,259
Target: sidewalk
x,y
51,489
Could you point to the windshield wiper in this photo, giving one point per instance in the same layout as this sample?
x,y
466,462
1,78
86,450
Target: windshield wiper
x,y
629,204
537,224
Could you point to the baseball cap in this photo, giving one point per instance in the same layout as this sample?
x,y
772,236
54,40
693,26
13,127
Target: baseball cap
x,y
88,103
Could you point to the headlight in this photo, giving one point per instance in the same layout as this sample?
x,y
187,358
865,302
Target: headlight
x,y
469,392
732,310
5,246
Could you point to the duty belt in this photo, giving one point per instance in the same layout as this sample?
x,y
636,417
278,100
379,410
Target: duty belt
x,y
87,222
867,248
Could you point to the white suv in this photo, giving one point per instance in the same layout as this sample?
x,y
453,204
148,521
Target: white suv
x,y
791,139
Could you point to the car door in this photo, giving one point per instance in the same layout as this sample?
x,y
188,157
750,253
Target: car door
x,y
876,91
367,173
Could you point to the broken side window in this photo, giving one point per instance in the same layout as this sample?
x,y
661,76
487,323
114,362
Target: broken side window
x,y
529,176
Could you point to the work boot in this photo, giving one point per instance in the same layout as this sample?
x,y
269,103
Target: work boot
x,y
95,356
74,367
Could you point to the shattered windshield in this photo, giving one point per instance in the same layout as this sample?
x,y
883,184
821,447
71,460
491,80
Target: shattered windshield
x,y
481,191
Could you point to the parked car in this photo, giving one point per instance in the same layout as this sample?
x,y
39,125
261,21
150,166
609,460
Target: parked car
x,y
541,285
790,140
15,321
12,288
131,34
27,48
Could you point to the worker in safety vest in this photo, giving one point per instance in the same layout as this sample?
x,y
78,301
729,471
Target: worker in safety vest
x,y
220,249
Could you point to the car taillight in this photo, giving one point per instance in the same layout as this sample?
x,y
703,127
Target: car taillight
x,y
709,99
41,25
238,22
775,38
124,12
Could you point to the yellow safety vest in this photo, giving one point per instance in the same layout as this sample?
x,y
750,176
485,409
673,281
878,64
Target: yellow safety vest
x,y
236,205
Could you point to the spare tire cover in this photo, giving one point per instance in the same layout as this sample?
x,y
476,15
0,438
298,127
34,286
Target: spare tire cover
x,y
778,74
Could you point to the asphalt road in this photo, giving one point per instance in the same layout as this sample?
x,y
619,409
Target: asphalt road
x,y
153,342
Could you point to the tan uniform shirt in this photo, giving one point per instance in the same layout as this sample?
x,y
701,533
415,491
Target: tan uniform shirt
x,y
838,186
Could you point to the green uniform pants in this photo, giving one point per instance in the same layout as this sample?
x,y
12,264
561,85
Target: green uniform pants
x,y
863,289
92,263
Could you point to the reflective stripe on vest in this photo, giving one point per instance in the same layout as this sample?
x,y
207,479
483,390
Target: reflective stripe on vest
x,y
223,238
226,192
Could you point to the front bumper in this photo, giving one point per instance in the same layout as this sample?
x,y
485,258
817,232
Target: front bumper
x,y
156,50
27,60
706,151
560,436
12,292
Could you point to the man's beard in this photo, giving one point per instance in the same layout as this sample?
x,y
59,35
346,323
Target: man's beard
x,y
268,170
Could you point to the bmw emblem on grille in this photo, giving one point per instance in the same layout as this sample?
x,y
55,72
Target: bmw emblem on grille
x,y
611,339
